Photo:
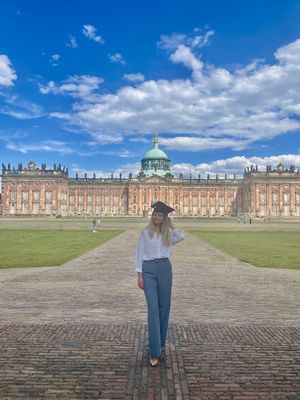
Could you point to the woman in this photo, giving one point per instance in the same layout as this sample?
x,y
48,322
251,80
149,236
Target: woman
x,y
155,274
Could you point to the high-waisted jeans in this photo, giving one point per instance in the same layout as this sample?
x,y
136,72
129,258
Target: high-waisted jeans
x,y
157,275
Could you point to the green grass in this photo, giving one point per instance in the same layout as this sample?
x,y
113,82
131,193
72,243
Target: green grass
x,y
263,249
47,247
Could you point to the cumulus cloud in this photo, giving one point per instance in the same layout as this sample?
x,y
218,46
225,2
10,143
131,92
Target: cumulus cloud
x,y
89,31
290,53
75,86
185,56
258,101
7,73
138,77
117,58
235,165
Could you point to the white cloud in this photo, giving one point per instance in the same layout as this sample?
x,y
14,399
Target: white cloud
x,y
139,139
7,73
117,58
200,40
290,53
125,170
235,165
90,32
95,148
255,102
185,143
54,146
138,77
82,86
54,58
19,108
72,42
185,56
171,42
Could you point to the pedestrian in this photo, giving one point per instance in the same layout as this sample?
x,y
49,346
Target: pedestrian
x,y
94,225
155,274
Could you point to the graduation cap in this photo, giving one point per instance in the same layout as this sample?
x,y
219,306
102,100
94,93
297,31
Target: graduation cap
x,y
161,207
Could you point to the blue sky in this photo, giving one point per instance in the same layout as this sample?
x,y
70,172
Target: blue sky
x,y
86,83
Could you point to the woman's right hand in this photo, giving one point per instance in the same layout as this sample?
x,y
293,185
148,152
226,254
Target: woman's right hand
x,y
140,281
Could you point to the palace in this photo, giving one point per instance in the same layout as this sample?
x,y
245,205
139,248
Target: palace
x,y
36,190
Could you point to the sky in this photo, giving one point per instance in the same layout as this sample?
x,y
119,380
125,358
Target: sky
x,y
87,83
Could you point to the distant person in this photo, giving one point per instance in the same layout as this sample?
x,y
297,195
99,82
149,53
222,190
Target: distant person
x,y
94,225
155,274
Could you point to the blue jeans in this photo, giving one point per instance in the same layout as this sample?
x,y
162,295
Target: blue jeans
x,y
157,275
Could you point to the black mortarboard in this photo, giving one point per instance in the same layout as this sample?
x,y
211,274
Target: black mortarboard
x,y
161,207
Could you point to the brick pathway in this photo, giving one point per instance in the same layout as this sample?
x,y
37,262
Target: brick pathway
x,y
78,331
92,361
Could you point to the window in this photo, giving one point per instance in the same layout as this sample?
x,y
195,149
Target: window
x,y
275,198
286,197
262,197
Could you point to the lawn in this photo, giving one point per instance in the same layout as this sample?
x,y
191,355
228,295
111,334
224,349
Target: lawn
x,y
260,248
47,247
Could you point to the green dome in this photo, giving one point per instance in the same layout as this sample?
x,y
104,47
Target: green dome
x,y
155,153
155,162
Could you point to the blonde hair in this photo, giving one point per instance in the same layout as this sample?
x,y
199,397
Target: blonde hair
x,y
165,230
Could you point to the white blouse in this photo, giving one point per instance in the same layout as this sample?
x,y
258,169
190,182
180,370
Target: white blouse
x,y
151,248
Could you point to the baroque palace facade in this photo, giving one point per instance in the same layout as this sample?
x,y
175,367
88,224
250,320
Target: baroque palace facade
x,y
36,190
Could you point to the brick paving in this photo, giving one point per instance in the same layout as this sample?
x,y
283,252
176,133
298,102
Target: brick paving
x,y
92,361
78,331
